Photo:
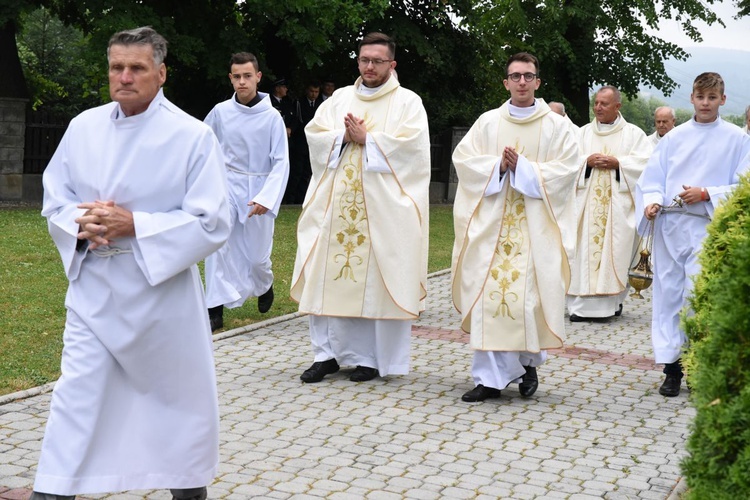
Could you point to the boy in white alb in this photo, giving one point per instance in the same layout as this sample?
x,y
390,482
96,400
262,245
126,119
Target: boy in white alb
x,y
699,163
256,155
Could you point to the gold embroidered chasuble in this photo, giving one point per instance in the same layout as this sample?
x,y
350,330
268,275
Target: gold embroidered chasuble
x,y
362,234
511,253
605,215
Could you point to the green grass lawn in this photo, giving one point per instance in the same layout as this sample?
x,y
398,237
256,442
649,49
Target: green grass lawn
x,y
32,287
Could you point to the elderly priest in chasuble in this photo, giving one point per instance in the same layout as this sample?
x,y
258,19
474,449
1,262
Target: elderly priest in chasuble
x,y
613,155
361,266
514,220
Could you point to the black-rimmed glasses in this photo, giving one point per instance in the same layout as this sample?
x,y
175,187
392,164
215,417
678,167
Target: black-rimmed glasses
x,y
516,77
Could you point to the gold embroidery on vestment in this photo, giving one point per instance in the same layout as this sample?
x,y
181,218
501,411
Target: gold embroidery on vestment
x,y
507,251
600,202
352,214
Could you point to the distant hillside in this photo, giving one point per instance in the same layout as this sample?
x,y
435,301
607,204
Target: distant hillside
x,y
733,65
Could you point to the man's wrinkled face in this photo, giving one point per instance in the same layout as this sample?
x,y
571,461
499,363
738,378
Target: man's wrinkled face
x,y
134,77
606,107
663,121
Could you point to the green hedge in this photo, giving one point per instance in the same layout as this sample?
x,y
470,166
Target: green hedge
x,y
718,361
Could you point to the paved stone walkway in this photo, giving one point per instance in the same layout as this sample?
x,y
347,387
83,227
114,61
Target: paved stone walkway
x,y
596,428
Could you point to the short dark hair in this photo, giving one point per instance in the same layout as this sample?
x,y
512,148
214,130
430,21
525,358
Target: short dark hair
x,y
708,81
313,84
376,38
244,58
144,35
523,57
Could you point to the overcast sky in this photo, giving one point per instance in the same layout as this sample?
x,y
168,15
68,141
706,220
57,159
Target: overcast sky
x,y
736,35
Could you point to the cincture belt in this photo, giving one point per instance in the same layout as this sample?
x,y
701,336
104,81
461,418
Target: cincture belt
x,y
109,252
682,211
244,172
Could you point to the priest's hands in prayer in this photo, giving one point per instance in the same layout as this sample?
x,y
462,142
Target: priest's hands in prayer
x,y
256,209
598,160
693,194
103,222
510,160
355,129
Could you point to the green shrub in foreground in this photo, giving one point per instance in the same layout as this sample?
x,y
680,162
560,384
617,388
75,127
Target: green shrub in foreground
x,y
718,362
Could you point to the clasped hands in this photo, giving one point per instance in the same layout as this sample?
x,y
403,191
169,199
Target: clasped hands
x,y
509,160
103,222
355,130
598,160
690,195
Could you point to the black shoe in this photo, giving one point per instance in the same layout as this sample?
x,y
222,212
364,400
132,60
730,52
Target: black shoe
x,y
671,386
318,370
529,382
574,318
265,301
619,311
50,496
480,393
190,494
363,374
216,317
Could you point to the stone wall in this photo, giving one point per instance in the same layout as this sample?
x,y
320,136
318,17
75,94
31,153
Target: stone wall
x,y
12,137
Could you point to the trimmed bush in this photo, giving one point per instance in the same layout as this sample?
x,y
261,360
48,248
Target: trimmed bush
x,y
718,360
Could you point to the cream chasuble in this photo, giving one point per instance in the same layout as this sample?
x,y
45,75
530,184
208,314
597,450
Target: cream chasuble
x,y
363,234
605,209
510,258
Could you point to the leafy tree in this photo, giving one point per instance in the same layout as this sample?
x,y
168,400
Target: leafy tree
x,y
51,56
582,43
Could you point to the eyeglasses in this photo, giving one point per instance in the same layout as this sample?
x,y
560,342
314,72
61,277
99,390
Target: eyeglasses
x,y
516,77
364,61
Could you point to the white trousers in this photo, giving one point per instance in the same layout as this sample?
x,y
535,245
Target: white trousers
x,y
597,306
677,241
384,344
497,369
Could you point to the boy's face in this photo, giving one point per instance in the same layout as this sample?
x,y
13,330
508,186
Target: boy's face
x,y
706,103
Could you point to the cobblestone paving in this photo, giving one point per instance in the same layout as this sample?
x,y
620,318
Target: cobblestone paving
x,y
596,428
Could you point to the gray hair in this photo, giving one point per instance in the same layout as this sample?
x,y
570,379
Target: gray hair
x,y
555,103
671,111
145,35
615,91
747,111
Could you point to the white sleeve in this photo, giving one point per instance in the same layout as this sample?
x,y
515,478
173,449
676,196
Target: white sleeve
x,y
524,179
333,160
496,180
374,160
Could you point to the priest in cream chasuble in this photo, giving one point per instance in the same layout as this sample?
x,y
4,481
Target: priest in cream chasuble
x,y
363,231
613,155
510,259
513,218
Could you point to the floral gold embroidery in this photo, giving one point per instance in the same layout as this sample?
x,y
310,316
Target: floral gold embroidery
x,y
507,253
352,215
599,214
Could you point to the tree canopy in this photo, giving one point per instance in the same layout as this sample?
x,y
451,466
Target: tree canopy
x,y
451,52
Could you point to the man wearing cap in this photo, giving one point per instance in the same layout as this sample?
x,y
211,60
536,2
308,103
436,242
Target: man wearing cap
x,y
283,103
